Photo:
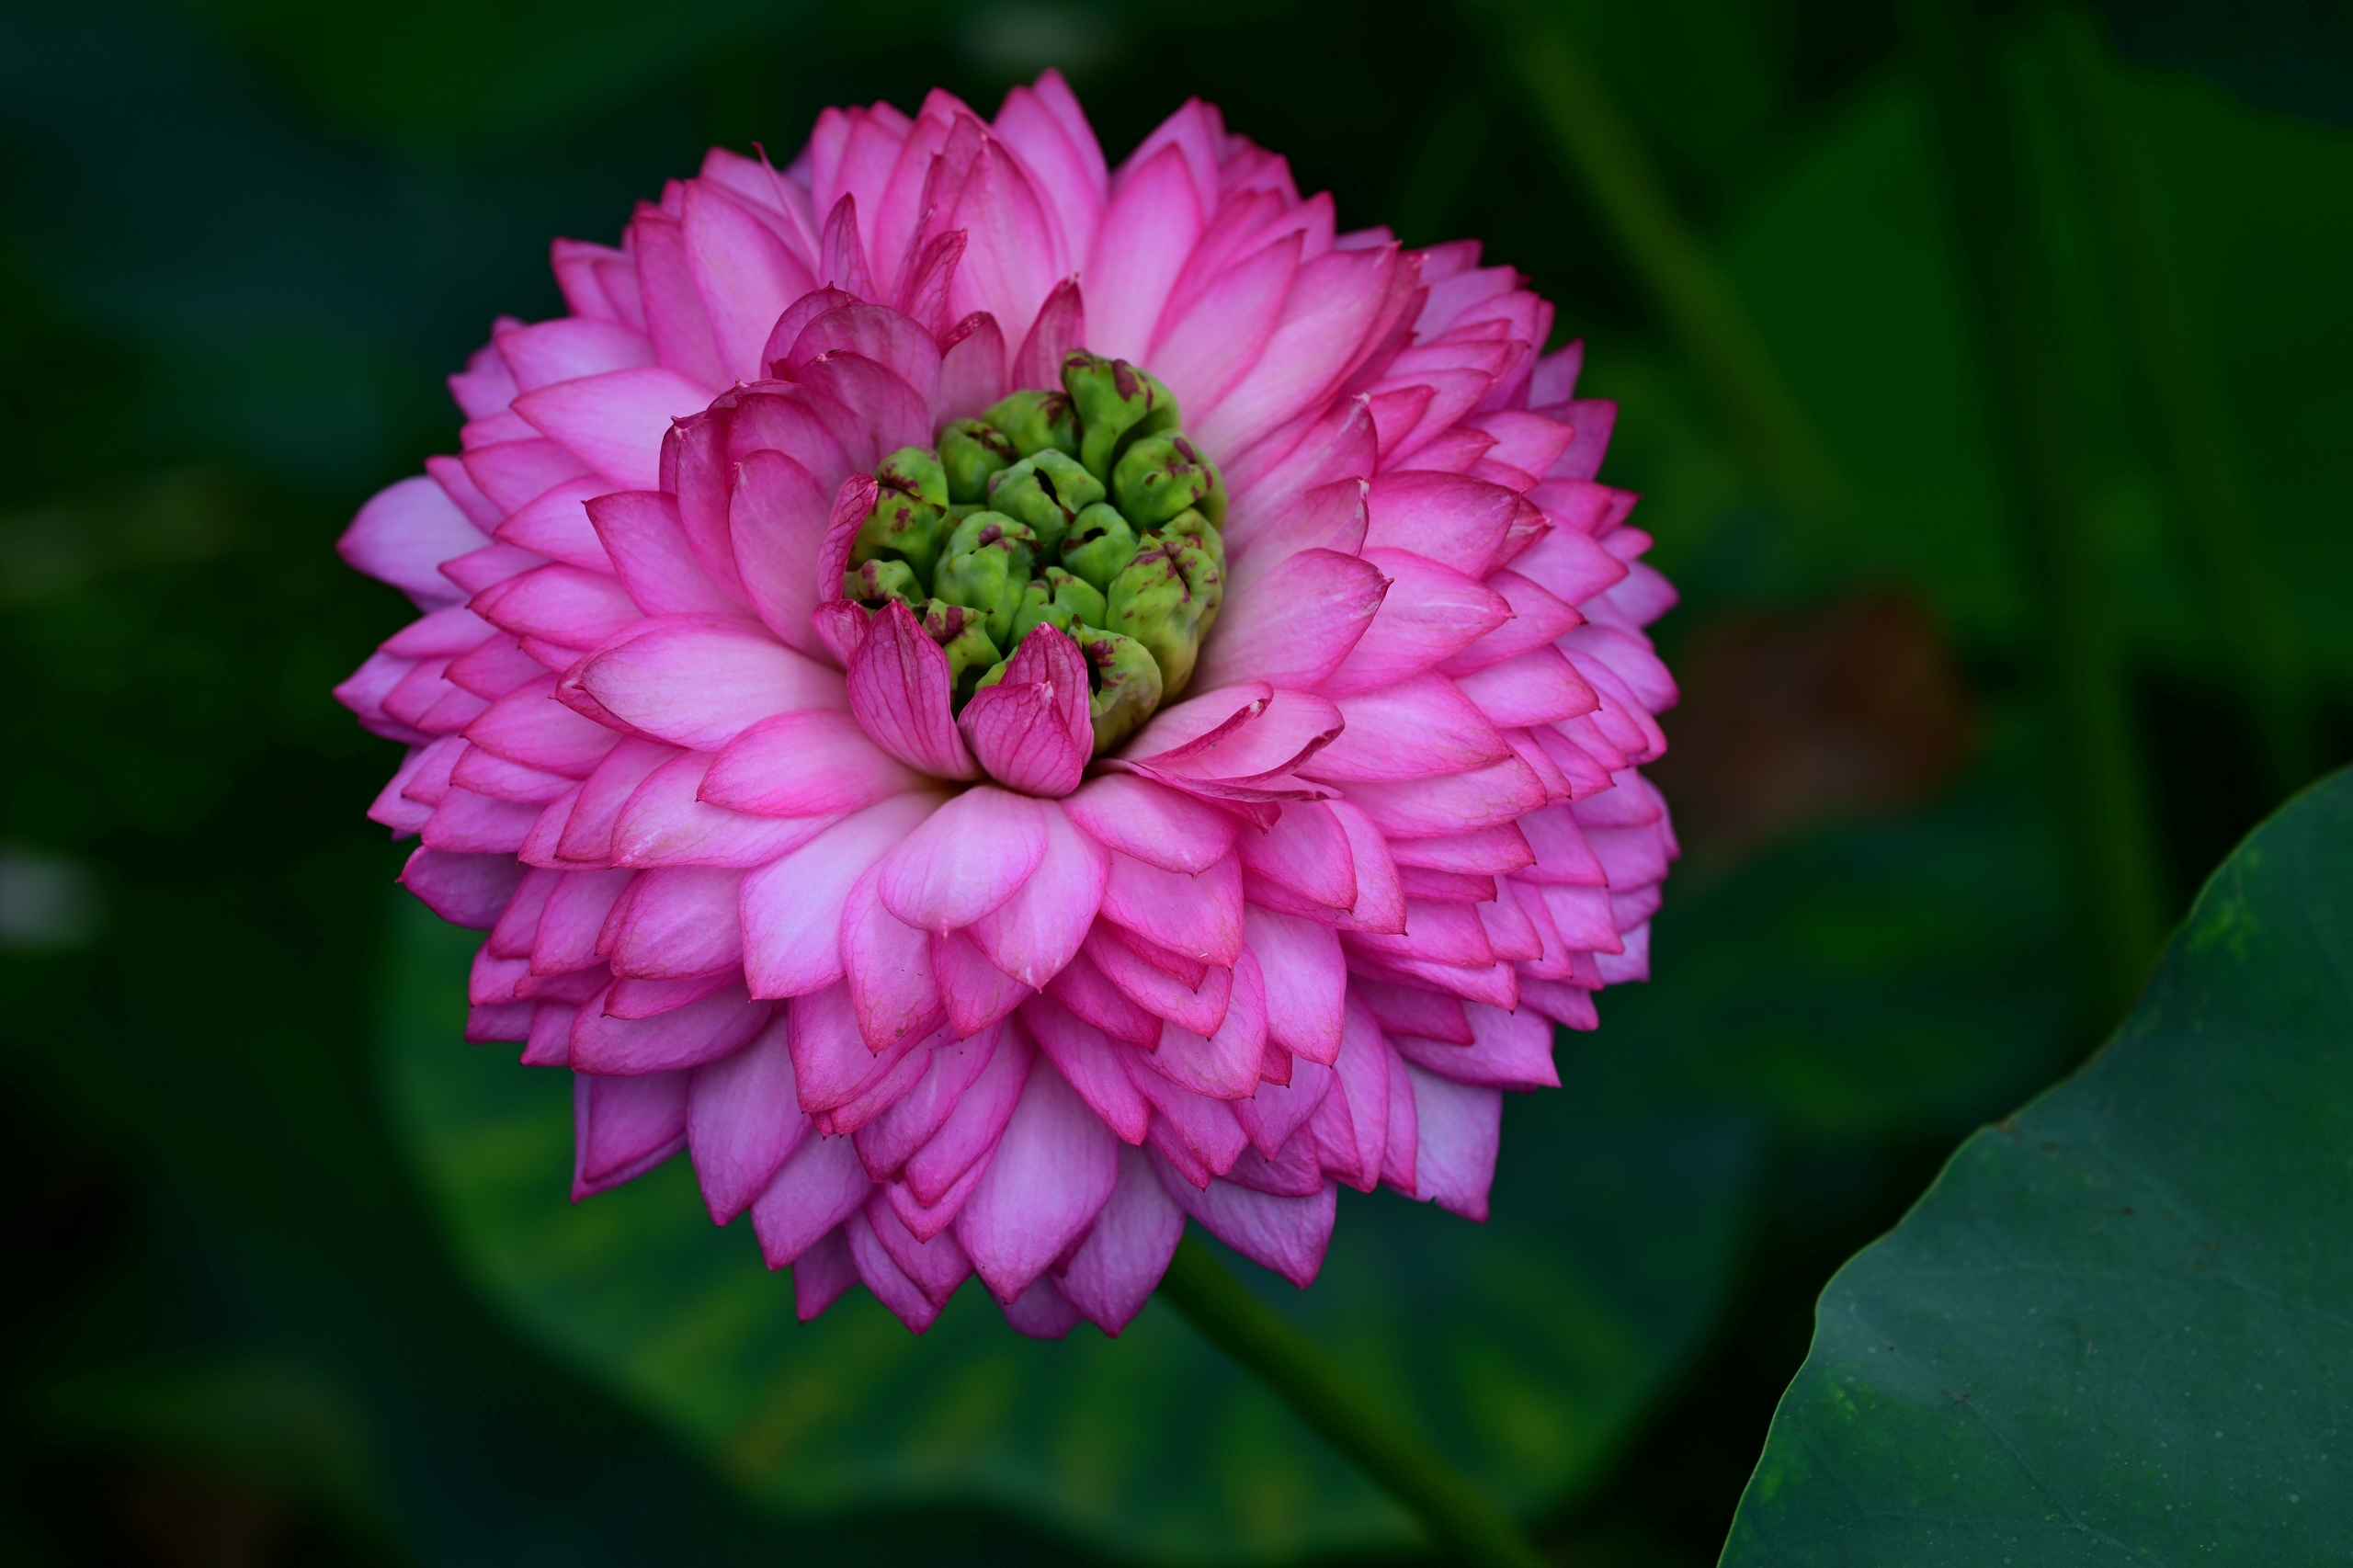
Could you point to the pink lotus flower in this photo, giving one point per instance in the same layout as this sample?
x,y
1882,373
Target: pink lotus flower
x,y
1001,704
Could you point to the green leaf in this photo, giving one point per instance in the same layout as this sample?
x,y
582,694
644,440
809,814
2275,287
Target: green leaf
x,y
1525,1349
2121,1325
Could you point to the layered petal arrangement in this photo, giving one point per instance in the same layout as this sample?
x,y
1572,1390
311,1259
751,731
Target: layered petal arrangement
x,y
1001,704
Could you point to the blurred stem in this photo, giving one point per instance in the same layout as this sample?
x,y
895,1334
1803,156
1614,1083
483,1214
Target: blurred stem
x,y
2097,778
2208,496
1768,430
1322,1394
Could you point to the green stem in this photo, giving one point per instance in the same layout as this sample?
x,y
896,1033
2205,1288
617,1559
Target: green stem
x,y
2209,498
1326,1398
1768,430
2093,753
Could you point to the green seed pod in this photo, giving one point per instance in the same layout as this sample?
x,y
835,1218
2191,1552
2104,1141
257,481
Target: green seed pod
x,y
1125,681
916,471
1117,404
1165,599
984,567
1045,492
1099,543
970,451
1053,597
1190,524
876,583
900,529
1162,476
1035,421
966,643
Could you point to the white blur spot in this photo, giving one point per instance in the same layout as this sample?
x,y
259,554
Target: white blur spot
x,y
46,903
1022,40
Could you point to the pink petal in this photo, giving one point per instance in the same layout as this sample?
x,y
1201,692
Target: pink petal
x,y
679,920
1487,797
792,909
1538,618
1226,1065
888,964
663,823
467,824
1286,1234
1333,301
1455,521
1197,1131
890,1283
1032,730
1093,1065
977,993
558,604
700,681
686,1037
965,859
1198,1003
527,725
1034,933
1421,727
776,519
744,274
1569,566
1430,611
404,534
1381,901
898,413
1402,1009
886,1143
1306,852
568,348
899,687
555,523
1206,350
587,835
1277,1111
1398,1154
802,764
743,1122
1198,915
1307,981
1041,1312
822,1271
1297,624
972,368
935,1264
1060,327
831,1065
1052,1171
877,334
1127,1249
973,1130
1151,823
623,1128
1510,1051
818,1187
1458,1130
1539,686
464,889
614,422
1147,233
1273,738
675,317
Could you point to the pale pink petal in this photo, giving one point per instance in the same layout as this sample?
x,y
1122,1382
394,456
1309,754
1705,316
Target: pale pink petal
x,y
744,272
972,368
888,965
404,534
685,1037
1033,934
1305,853
978,994
562,605
965,859
663,823
1277,1111
1199,915
700,681
614,422
1430,611
1225,1065
1151,823
776,526
877,333
791,910
641,536
464,889
1418,728
1453,804
1204,352
1381,901
802,765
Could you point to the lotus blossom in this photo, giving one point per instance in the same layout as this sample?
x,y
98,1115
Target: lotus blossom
x,y
1002,704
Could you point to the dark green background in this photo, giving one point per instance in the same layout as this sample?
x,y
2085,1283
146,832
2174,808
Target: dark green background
x,y
241,240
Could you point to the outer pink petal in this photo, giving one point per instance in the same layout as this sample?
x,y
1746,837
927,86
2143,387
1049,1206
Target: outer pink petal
x,y
404,534
808,763
1204,353
1151,823
1430,611
742,1122
818,1187
965,859
1095,1067
1127,1249
623,1128
1308,982
1286,1234
1457,1129
1200,916
888,965
1054,1171
1418,728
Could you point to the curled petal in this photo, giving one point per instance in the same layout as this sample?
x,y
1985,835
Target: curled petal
x,y
899,687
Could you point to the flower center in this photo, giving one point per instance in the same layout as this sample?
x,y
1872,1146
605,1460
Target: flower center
x,y
1081,507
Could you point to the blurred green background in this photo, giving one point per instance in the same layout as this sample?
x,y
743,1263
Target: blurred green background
x,y
1985,379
